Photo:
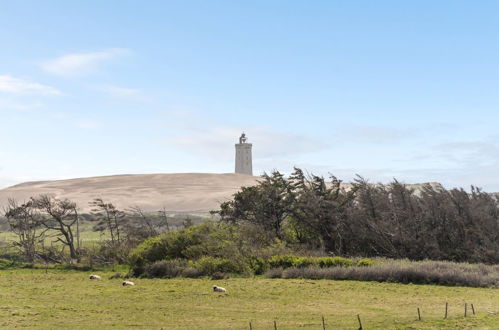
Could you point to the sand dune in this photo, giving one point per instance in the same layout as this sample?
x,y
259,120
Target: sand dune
x,y
186,192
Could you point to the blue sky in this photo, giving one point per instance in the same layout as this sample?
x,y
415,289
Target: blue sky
x,y
380,88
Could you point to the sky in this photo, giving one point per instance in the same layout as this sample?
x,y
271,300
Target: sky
x,y
383,89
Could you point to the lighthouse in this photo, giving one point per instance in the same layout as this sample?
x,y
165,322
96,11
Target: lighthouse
x,y
244,162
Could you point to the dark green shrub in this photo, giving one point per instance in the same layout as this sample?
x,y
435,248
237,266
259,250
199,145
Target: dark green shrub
x,y
218,276
326,262
165,268
4,263
365,263
215,240
192,272
258,265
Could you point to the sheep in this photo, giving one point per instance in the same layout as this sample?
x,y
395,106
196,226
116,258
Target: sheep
x,y
95,277
218,289
127,283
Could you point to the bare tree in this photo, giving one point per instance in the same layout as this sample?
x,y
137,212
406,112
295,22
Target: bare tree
x,y
60,216
164,219
26,223
108,217
143,221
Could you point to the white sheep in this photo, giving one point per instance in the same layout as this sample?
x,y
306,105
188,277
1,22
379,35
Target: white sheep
x,y
127,283
218,289
95,277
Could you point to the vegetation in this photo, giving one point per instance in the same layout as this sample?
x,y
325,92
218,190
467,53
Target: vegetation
x,y
46,229
423,272
286,250
371,220
295,227
67,299
211,250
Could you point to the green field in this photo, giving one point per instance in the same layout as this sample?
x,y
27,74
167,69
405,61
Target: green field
x,y
67,299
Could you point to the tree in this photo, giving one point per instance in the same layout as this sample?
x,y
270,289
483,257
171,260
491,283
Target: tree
x,y
266,204
26,223
322,209
108,217
143,221
60,216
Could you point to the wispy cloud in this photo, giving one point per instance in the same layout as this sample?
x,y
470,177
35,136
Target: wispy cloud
x,y
208,142
81,64
12,85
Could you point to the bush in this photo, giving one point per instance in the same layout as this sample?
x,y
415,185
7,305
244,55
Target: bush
x,y
191,272
302,262
218,276
210,265
365,263
284,261
258,265
165,268
425,272
214,240
274,273
4,264
326,262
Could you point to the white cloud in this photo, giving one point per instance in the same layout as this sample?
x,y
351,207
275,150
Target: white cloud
x,y
11,85
80,64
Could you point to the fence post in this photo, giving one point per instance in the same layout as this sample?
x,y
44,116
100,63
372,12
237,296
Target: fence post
x,y
473,309
446,306
419,315
360,323
250,326
465,309
323,323
275,325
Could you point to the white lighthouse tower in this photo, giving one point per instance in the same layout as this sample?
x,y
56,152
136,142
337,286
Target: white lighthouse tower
x,y
244,162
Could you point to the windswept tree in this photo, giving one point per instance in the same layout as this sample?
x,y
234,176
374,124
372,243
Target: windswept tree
x,y
267,204
59,215
108,218
321,208
26,222
143,222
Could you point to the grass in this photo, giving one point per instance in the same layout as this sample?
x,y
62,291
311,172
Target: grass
x,y
67,299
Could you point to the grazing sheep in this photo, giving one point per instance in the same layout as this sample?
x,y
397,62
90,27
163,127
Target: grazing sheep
x,y
127,283
95,277
219,289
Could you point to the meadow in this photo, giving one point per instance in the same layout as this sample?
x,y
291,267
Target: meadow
x,y
56,298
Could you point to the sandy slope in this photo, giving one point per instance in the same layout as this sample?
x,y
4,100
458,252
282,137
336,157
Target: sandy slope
x,y
186,192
